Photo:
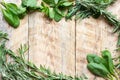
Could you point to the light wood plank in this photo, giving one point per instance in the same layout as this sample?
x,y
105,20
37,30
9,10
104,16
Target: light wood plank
x,y
94,36
52,43
17,36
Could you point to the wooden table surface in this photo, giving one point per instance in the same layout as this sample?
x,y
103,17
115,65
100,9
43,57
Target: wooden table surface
x,y
62,46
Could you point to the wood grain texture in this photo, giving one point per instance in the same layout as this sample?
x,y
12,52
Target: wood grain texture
x,y
62,46
17,36
52,43
93,36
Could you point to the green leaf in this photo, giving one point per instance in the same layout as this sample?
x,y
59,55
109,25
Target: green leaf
x,y
107,57
55,9
60,12
44,9
98,69
49,2
29,3
11,7
66,4
12,19
57,17
51,13
21,12
94,58
56,1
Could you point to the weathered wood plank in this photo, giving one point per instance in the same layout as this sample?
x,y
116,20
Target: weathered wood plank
x,y
94,36
17,36
52,43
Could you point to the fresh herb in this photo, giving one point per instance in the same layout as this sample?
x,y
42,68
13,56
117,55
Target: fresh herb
x,y
98,69
30,5
3,36
108,60
14,9
95,8
55,9
102,66
21,69
87,8
12,19
12,13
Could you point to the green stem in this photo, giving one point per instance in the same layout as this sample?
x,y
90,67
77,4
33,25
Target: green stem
x,y
110,77
0,8
117,74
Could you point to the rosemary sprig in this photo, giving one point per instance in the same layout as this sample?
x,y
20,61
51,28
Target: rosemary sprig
x,y
21,69
92,7
3,36
86,8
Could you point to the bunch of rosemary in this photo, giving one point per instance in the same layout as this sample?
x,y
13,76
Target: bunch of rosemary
x,y
95,8
21,69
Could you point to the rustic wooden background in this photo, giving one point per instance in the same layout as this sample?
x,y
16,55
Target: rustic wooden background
x,y
62,46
